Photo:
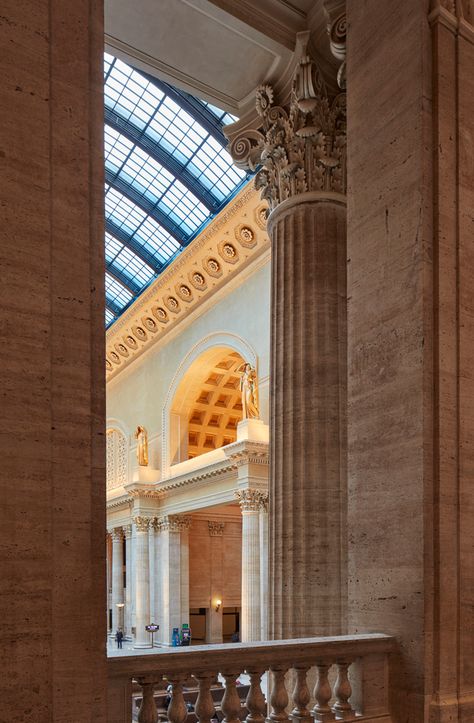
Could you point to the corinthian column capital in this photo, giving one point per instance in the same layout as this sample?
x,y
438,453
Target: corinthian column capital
x,y
300,145
142,523
117,534
250,500
173,523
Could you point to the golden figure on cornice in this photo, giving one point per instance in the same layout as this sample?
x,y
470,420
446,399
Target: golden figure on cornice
x,y
141,435
249,389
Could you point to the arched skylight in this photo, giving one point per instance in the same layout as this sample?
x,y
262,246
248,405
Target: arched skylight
x,y
167,174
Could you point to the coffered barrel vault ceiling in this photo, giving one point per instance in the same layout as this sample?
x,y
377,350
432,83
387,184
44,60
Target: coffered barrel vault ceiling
x,y
167,174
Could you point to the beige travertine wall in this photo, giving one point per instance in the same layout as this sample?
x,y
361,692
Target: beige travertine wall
x,y
208,581
410,320
52,552
138,394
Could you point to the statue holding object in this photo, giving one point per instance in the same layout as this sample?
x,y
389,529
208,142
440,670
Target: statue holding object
x,y
141,435
249,390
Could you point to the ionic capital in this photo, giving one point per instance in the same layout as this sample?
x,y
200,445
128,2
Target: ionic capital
x,y
250,500
142,523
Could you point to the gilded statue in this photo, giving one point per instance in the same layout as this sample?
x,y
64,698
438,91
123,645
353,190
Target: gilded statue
x,y
141,435
249,390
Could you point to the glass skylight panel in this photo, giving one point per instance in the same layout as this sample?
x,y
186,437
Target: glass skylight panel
x,y
109,317
184,208
130,94
117,148
212,165
116,292
146,175
123,259
157,240
176,130
124,213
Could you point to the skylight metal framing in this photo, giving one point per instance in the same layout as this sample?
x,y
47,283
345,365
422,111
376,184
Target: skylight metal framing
x,y
167,174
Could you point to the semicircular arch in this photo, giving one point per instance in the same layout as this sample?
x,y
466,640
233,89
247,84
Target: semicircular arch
x,y
207,350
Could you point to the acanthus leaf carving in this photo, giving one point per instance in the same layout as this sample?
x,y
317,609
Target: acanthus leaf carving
x,y
300,148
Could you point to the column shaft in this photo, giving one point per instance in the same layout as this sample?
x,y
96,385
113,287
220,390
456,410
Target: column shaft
x,y
250,503
171,581
184,577
117,578
142,582
263,530
52,331
109,578
308,381
128,578
158,615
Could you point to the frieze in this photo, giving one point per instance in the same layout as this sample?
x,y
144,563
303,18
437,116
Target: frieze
x,y
211,260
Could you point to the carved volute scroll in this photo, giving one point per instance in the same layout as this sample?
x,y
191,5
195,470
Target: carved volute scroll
x,y
300,147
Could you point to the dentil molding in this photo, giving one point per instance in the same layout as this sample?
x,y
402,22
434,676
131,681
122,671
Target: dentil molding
x,y
235,238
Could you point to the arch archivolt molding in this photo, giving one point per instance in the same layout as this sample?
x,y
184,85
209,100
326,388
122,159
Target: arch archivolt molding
x,y
227,341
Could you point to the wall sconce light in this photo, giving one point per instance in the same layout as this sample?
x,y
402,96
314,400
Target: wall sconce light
x,y
218,605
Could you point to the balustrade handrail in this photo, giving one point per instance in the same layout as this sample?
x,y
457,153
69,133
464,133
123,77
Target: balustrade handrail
x,y
214,657
352,680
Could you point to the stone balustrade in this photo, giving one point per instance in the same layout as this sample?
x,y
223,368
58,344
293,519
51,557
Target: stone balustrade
x,y
349,680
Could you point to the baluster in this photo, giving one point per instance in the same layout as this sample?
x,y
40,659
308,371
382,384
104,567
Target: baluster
x,y
204,707
177,711
301,698
147,712
255,701
278,697
231,702
322,694
342,693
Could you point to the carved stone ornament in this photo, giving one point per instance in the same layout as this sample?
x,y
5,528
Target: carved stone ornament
x,y
216,529
250,500
117,534
173,523
299,148
142,523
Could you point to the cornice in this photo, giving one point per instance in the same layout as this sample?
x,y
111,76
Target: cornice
x,y
248,452
214,259
455,15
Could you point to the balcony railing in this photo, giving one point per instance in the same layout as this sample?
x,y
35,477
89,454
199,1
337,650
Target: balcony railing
x,y
350,673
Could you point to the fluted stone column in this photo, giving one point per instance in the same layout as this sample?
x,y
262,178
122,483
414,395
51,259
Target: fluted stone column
x,y
250,503
263,530
142,581
117,577
108,556
171,528
300,143
128,579
157,614
307,435
184,577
